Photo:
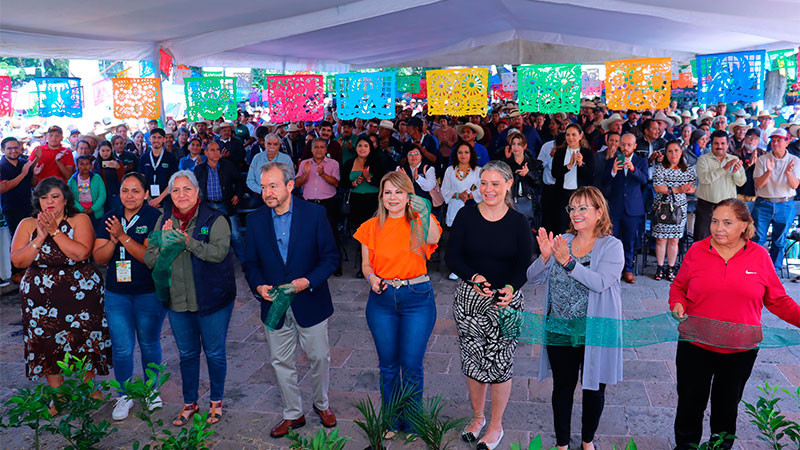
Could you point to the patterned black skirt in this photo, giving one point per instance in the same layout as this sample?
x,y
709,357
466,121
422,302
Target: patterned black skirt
x,y
486,355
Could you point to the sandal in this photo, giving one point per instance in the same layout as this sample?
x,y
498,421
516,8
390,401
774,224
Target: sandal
x,y
660,272
182,419
672,272
215,413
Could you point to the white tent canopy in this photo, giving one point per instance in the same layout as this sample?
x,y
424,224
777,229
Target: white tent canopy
x,y
335,35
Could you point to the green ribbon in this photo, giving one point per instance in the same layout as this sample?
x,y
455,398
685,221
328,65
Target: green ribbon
x,y
604,332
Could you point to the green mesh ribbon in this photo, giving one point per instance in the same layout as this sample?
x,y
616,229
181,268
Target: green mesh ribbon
x,y
544,330
419,228
171,243
282,297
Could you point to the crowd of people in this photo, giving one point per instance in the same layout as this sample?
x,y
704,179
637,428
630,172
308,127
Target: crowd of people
x,y
560,199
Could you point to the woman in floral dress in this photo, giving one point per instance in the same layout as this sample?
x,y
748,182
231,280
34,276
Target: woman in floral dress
x,y
62,292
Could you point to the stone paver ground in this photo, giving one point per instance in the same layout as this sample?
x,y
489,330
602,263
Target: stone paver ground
x,y
642,407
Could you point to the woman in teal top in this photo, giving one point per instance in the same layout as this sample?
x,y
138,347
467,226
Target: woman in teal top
x,y
362,176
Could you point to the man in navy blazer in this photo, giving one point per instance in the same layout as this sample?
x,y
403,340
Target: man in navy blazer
x,y
625,181
290,241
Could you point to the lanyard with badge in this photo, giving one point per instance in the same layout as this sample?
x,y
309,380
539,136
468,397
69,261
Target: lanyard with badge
x,y
155,189
124,274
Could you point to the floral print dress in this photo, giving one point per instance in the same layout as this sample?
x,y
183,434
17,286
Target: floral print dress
x,y
62,311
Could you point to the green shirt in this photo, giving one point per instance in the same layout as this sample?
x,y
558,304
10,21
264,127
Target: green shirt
x,y
182,295
364,187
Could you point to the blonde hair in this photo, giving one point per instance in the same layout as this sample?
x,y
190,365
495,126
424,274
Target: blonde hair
x,y
594,198
401,181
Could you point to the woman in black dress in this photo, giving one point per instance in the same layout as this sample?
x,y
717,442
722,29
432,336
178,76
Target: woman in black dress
x,y
362,176
491,245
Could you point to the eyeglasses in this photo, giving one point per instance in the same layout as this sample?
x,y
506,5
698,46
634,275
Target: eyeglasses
x,y
580,209
413,154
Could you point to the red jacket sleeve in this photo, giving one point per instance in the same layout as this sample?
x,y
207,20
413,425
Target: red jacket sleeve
x,y
679,288
775,298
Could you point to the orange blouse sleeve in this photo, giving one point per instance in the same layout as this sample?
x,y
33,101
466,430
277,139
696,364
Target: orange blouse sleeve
x,y
366,233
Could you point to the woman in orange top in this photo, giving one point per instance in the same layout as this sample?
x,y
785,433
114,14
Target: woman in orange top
x,y
400,309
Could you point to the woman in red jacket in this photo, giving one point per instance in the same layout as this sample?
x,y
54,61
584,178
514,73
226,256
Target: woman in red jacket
x,y
727,278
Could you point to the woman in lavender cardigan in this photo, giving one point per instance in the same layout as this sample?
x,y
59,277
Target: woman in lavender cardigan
x,y
581,270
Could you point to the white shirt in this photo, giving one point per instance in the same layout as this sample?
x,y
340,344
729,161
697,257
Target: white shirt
x,y
426,180
778,183
547,162
571,177
452,185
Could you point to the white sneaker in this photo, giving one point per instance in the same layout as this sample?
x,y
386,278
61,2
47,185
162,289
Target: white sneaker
x,y
453,276
122,408
157,403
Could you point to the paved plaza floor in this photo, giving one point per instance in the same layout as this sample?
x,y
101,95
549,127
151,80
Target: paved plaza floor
x,y
642,407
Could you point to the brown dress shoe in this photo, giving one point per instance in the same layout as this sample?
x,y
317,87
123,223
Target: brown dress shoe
x,y
628,277
327,417
282,429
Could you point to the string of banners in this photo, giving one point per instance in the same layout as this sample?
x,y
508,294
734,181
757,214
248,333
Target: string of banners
x,y
544,88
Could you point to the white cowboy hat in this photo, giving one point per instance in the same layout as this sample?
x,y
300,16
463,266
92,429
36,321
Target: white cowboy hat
x,y
736,124
478,130
676,119
687,114
588,104
741,113
706,115
616,117
387,125
661,117
293,128
764,113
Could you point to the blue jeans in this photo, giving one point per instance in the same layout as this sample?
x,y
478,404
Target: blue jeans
x,y
133,317
190,329
781,216
401,321
237,240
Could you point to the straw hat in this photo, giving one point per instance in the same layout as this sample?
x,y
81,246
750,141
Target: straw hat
x,y
616,117
222,125
293,128
588,104
741,113
764,113
478,130
736,124
793,127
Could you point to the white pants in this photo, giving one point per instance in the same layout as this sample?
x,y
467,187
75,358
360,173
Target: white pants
x,y
314,342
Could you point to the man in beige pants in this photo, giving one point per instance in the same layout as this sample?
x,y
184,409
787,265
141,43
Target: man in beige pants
x,y
291,242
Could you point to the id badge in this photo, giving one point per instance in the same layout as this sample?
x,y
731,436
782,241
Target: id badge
x,y
124,271
155,190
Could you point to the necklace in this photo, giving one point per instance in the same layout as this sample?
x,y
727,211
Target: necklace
x,y
462,174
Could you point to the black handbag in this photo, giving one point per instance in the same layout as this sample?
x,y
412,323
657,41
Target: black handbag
x,y
667,211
